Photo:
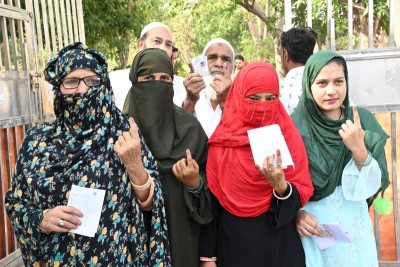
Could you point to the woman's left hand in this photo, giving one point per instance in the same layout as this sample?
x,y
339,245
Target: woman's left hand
x,y
187,171
275,175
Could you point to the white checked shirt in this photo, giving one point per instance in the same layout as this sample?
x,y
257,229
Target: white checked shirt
x,y
291,89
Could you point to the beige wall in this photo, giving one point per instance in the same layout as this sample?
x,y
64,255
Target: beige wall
x,y
397,22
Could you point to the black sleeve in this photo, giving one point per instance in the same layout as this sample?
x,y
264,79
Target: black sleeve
x,y
199,204
209,232
282,212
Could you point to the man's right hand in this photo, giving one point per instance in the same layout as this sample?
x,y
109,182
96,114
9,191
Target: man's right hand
x,y
193,83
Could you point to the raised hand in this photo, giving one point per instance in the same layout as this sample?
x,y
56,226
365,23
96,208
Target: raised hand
x,y
193,83
128,146
274,174
221,84
186,170
353,137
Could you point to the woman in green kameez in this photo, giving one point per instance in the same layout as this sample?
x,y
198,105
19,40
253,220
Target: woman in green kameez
x,y
345,148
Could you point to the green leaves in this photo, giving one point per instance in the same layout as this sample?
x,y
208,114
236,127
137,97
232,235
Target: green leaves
x,y
113,25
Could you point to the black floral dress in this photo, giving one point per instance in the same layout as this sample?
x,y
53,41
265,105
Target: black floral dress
x,y
77,149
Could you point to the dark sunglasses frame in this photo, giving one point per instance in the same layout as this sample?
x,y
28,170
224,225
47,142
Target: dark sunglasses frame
x,y
86,80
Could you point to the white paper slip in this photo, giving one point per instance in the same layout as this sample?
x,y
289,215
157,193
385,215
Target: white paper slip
x,y
200,65
333,233
265,141
90,202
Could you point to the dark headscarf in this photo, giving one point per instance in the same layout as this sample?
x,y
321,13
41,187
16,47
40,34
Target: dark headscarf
x,y
232,175
149,63
326,151
77,148
73,108
167,129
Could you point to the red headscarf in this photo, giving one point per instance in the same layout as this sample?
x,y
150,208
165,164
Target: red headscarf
x,y
231,172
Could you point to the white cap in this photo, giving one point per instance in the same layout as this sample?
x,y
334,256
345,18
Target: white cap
x,y
218,41
151,26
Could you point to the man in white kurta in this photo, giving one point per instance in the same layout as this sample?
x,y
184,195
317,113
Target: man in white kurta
x,y
153,35
206,106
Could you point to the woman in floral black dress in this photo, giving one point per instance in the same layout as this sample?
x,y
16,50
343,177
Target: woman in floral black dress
x,y
86,145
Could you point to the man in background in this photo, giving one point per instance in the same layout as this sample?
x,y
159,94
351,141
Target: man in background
x,y
297,45
208,111
156,35
239,64
179,88
175,55
153,35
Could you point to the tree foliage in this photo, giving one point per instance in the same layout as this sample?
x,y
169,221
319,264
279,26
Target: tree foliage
x,y
251,26
112,26
202,21
340,10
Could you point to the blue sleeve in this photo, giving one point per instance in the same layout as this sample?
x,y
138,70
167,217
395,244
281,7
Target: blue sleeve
x,y
360,184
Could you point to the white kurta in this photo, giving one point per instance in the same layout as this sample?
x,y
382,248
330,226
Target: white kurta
x,y
203,110
121,85
207,116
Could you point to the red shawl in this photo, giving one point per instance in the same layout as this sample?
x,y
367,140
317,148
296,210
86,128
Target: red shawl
x,y
231,173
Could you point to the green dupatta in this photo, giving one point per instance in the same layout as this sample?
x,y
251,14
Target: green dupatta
x,y
326,151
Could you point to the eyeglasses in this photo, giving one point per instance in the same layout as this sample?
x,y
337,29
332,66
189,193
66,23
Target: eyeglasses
x,y
72,83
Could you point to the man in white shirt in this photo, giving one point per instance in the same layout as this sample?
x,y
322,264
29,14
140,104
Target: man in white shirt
x,y
297,45
153,35
179,88
220,55
121,85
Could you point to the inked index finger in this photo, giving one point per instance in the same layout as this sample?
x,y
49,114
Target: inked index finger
x,y
189,159
133,129
356,116
278,157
